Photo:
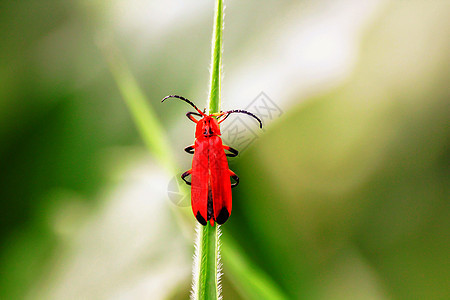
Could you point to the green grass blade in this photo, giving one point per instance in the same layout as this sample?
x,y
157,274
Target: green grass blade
x,y
216,60
146,120
251,281
206,273
206,268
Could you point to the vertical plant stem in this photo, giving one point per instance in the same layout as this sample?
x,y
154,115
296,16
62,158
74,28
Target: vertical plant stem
x,y
206,267
216,60
206,263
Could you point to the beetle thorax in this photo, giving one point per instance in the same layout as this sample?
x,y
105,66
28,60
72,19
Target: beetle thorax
x,y
207,126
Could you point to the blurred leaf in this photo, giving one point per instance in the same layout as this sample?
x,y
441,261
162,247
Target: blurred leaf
x,y
251,281
144,117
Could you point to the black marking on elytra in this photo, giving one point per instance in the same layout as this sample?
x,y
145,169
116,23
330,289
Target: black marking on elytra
x,y
223,216
200,218
210,205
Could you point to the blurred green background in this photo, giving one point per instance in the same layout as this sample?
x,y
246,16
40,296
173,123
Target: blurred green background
x,y
344,196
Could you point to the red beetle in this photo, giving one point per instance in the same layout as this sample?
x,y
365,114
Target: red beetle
x,y
210,176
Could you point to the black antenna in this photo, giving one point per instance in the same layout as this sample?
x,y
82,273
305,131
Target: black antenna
x,y
185,100
244,112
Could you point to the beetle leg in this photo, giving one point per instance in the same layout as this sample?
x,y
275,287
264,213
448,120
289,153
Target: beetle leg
x,y
233,151
189,149
190,117
235,177
185,174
